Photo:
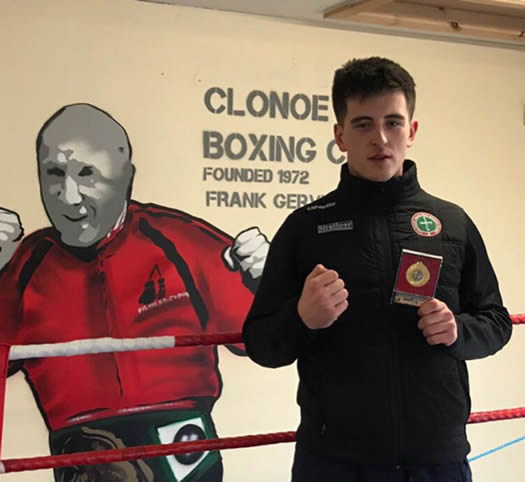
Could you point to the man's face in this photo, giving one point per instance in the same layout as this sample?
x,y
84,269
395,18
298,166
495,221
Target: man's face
x,y
83,187
375,134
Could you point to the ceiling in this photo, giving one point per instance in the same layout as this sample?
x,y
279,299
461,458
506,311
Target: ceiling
x,y
479,21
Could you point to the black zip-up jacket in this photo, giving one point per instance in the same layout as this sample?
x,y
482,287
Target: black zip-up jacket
x,y
371,389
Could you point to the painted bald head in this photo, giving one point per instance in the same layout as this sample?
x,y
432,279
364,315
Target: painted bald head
x,y
85,172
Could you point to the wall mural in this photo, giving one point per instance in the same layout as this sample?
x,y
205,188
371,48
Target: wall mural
x,y
112,266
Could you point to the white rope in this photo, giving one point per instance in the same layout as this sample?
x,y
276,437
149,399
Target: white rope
x,y
89,346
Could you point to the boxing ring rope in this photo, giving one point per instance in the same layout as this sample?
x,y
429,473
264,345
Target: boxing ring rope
x,y
110,345
143,452
106,345
92,346
150,451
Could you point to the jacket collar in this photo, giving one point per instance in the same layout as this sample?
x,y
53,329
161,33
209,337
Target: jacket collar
x,y
383,193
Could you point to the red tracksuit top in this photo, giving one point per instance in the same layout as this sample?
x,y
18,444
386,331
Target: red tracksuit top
x,y
162,273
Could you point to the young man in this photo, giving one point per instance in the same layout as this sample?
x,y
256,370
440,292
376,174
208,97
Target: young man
x,y
383,386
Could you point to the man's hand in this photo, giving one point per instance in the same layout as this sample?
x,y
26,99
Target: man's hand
x,y
248,254
10,234
323,299
437,323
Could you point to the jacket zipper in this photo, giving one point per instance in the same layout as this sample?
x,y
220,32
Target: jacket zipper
x,y
106,299
397,404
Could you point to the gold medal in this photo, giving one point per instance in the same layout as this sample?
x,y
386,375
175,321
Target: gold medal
x,y
417,277
418,274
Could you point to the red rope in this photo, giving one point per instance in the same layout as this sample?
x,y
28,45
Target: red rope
x,y
150,451
232,338
495,415
217,339
144,452
518,319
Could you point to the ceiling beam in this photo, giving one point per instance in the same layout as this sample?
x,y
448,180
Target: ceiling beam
x,y
507,24
350,8
429,25
416,11
520,4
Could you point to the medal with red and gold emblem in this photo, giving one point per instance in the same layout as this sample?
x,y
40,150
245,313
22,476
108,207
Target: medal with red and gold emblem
x,y
417,277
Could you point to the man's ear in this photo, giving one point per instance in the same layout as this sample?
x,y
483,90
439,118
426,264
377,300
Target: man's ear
x,y
414,125
338,136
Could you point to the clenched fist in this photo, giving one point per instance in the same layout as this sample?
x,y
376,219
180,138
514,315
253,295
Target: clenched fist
x,y
10,234
323,298
437,323
248,254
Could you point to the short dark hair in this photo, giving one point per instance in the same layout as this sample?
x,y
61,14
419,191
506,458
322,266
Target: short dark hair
x,y
364,78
